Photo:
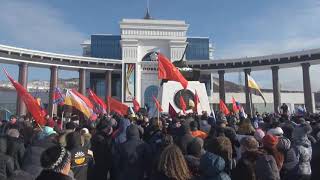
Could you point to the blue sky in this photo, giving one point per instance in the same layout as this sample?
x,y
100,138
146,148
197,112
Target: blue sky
x,y
236,28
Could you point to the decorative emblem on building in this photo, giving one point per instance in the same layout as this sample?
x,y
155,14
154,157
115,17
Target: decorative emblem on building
x,y
188,97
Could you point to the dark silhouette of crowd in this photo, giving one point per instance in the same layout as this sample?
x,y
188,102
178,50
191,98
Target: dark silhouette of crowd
x,y
186,147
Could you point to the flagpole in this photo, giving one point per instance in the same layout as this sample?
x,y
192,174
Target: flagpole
x,y
52,110
62,119
251,104
159,101
39,126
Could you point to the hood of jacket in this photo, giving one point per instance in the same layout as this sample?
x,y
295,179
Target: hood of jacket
x,y
133,132
121,134
211,165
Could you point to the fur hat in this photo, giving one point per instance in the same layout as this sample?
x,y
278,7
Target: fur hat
x,y
55,158
85,131
249,143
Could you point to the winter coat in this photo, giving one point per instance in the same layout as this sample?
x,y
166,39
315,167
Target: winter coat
x,y
15,149
231,134
199,134
101,145
315,162
184,139
31,161
132,156
7,125
303,149
120,136
266,167
21,175
193,164
211,167
80,160
290,164
245,168
51,175
6,166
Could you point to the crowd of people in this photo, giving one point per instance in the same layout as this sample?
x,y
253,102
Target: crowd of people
x,y
186,147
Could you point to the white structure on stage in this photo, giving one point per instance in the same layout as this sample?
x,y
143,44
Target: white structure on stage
x,y
171,88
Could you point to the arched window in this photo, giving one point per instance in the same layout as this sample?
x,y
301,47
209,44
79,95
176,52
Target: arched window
x,y
147,57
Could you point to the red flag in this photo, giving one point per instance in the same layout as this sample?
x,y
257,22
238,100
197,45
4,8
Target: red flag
x,y
172,111
196,101
166,70
223,108
183,105
100,106
31,103
234,106
157,104
117,106
136,105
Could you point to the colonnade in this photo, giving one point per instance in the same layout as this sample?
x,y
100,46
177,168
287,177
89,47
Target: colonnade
x,y
276,87
52,108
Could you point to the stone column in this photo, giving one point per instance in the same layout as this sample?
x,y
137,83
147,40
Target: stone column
x,y
108,80
52,108
82,81
23,80
247,92
276,88
222,92
307,87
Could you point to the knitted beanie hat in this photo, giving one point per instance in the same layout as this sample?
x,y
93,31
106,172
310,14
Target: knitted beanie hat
x,y
276,131
270,140
259,134
55,158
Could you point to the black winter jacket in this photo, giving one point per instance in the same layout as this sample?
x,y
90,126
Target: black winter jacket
x,y
15,149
